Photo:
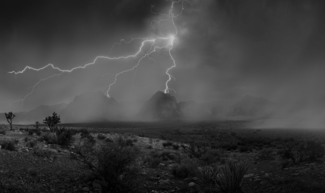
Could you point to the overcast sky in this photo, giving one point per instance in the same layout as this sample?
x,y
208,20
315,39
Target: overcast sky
x,y
224,49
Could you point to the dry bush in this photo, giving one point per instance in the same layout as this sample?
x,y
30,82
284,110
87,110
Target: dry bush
x,y
64,136
9,145
227,178
49,138
114,164
46,153
152,162
101,136
207,177
265,154
230,177
31,143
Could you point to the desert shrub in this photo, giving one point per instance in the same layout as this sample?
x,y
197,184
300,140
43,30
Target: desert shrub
x,y
84,132
167,144
166,155
314,150
186,168
244,148
84,152
163,137
233,134
176,146
109,140
152,162
124,142
90,139
38,132
206,154
49,138
64,136
113,164
9,145
300,151
30,131
26,139
207,177
255,141
230,177
32,143
196,151
46,153
212,156
265,154
101,136
285,163
229,146
309,150
180,171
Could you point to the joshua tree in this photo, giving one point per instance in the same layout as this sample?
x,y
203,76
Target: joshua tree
x,y
10,116
36,125
52,121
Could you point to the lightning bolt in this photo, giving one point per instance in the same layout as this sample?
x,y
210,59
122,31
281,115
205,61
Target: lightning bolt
x,y
34,86
170,16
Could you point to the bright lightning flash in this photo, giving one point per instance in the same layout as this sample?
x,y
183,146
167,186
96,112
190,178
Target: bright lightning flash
x,y
169,45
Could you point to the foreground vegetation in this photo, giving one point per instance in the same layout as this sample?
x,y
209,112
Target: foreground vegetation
x,y
207,157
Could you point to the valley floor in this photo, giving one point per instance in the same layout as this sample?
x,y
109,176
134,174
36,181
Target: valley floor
x,y
35,165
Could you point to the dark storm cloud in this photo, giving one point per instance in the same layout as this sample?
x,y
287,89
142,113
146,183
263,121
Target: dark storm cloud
x,y
269,48
49,21
256,40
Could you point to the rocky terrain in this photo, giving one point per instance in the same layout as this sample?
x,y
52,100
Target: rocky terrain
x,y
169,158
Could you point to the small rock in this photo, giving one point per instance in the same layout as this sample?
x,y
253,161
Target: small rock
x,y
191,184
264,182
152,178
267,175
164,181
85,189
248,175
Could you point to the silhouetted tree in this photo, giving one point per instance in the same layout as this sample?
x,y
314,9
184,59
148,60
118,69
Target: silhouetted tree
x,y
10,116
52,121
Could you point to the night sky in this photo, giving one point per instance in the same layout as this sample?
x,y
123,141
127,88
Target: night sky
x,y
224,49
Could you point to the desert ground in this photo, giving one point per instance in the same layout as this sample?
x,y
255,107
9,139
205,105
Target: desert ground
x,y
161,157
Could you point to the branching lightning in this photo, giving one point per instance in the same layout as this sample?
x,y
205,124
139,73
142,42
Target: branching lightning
x,y
169,45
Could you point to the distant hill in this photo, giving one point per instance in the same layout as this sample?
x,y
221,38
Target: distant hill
x,y
97,107
161,106
91,107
